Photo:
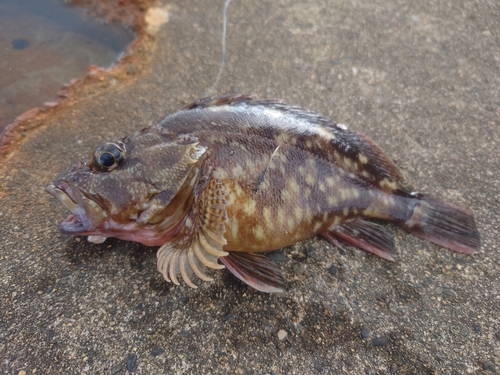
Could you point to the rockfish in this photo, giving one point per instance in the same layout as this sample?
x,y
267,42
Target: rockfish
x,y
224,180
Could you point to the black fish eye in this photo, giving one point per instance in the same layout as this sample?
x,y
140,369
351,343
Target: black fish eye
x,y
107,157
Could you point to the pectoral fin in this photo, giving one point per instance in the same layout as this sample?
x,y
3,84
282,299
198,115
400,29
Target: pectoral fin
x,y
366,235
199,244
256,270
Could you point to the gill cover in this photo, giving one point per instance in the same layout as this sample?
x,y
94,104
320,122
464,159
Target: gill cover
x,y
168,167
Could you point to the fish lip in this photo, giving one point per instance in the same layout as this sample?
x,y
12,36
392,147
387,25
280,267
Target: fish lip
x,y
81,221
59,189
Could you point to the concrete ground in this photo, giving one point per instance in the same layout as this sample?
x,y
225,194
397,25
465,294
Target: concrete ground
x,y
421,78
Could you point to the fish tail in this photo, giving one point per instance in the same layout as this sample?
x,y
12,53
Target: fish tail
x,y
446,224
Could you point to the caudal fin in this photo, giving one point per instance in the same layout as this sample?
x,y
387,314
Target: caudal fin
x,y
446,224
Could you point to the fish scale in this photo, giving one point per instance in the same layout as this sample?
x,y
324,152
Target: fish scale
x,y
223,180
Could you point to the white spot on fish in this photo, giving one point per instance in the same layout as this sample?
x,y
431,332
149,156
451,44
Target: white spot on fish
x,y
310,179
285,195
249,207
328,135
336,221
388,201
234,227
238,190
362,158
386,183
307,192
369,212
282,138
344,194
281,216
237,171
220,173
347,162
268,218
317,225
332,201
258,232
231,198
294,186
298,213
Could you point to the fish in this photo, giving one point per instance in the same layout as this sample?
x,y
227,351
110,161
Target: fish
x,y
224,180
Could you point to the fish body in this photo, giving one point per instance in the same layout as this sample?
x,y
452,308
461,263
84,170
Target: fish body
x,y
223,180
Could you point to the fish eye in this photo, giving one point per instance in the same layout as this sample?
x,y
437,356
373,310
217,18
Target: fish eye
x,y
108,157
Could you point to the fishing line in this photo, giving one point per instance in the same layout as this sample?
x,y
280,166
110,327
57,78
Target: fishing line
x,y
223,57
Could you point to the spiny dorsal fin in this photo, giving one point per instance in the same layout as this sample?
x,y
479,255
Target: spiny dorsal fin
x,y
217,101
350,143
248,100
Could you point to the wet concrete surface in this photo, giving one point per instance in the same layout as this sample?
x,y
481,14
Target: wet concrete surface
x,y
46,44
422,79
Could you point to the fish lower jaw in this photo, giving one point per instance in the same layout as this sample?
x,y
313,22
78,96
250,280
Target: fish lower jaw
x,y
72,226
87,214
147,235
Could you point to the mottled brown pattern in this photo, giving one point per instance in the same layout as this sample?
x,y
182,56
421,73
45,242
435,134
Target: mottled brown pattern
x,y
235,174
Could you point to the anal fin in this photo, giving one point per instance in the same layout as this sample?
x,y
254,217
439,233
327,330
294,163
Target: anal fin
x,y
256,270
366,235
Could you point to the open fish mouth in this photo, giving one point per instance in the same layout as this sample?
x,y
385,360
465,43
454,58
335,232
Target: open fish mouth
x,y
87,215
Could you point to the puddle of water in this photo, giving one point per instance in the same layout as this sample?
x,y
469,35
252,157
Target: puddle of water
x,y
44,44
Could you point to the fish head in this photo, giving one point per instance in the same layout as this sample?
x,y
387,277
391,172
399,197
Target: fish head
x,y
131,188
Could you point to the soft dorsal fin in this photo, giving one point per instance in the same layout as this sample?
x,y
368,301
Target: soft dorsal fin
x,y
367,153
